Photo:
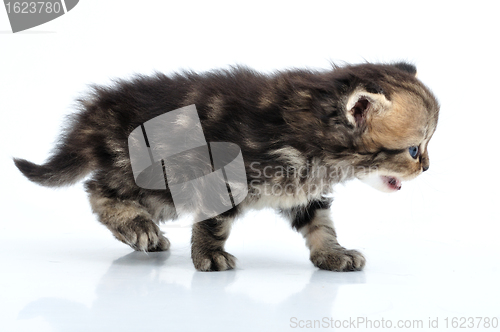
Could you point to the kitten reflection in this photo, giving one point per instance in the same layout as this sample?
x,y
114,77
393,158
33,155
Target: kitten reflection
x,y
133,295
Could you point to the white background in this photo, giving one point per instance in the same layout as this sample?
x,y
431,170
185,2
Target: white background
x,y
432,248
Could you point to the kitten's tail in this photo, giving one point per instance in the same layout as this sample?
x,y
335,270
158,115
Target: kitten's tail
x,y
66,166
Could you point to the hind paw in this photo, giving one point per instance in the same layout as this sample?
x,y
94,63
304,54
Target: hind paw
x,y
142,235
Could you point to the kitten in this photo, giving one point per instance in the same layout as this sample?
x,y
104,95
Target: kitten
x,y
299,131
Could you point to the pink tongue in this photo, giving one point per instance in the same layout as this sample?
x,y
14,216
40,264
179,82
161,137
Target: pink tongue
x,y
393,183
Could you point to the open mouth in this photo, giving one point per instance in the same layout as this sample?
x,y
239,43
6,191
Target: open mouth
x,y
391,182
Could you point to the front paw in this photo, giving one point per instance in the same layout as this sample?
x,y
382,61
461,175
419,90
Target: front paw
x,y
338,259
217,260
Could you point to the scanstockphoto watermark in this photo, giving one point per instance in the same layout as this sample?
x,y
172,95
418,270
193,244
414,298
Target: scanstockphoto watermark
x,y
305,180
309,170
169,152
354,323
24,15
477,322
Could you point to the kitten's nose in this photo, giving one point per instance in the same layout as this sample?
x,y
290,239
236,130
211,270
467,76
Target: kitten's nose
x,y
425,167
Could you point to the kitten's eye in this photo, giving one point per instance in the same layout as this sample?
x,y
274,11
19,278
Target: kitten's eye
x,y
413,151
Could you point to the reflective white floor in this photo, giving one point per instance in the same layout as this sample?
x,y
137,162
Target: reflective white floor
x,y
90,282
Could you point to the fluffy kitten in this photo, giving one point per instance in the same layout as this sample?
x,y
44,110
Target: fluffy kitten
x,y
300,131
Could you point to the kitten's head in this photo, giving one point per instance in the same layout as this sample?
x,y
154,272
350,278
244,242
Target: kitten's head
x,y
372,121
393,116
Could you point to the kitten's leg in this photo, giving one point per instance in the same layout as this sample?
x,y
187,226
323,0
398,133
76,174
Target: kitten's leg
x,y
315,224
129,221
207,243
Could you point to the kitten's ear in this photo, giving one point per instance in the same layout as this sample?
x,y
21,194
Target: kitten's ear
x,y
361,104
407,67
